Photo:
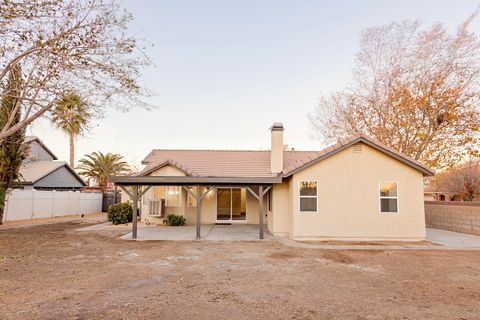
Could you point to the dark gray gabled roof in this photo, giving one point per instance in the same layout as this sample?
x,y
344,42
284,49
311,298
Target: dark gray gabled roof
x,y
29,139
32,172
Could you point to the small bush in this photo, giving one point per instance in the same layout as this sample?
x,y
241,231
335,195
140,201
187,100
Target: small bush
x,y
174,220
120,213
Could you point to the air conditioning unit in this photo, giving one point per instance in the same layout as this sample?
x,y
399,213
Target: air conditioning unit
x,y
156,208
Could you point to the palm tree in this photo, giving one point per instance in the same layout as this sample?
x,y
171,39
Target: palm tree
x,y
102,166
71,115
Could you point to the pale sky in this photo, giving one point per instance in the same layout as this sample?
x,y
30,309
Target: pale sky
x,y
226,70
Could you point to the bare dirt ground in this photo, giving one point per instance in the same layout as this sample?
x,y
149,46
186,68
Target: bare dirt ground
x,y
54,272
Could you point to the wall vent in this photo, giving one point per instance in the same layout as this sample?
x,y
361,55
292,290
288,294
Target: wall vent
x,y
357,148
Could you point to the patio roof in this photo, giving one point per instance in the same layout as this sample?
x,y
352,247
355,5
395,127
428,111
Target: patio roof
x,y
188,180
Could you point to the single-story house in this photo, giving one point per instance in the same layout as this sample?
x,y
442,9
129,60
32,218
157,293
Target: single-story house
x,y
357,189
41,169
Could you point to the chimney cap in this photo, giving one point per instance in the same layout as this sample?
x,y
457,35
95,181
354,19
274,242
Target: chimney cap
x,y
276,126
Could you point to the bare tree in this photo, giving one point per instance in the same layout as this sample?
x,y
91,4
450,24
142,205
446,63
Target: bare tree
x,y
414,89
463,179
62,45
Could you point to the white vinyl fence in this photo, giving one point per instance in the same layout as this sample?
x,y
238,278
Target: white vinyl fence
x,y
31,204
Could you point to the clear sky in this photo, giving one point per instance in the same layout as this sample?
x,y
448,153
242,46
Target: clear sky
x,y
226,70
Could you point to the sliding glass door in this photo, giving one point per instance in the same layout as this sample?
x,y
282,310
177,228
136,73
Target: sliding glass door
x,y
231,204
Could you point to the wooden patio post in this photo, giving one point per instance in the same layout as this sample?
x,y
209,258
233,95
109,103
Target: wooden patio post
x,y
134,216
198,208
260,211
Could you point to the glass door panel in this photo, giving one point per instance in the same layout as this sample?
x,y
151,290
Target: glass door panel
x,y
224,207
237,213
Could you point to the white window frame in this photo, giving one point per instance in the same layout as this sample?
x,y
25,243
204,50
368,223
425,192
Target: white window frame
x,y
380,197
300,196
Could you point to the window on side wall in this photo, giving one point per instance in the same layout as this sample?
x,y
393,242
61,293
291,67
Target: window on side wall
x,y
388,197
308,196
191,201
173,196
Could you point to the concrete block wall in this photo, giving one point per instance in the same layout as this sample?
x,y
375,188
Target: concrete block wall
x,y
453,216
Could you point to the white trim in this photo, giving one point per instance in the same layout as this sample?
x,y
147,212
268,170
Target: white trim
x,y
299,196
380,197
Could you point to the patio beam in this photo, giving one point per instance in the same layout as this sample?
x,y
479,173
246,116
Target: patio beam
x,y
124,189
189,181
206,192
144,191
252,192
190,192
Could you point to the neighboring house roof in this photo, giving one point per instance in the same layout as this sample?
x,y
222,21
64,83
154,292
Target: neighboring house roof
x,y
32,172
244,163
29,139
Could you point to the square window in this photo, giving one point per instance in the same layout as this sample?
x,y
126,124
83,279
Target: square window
x,y
388,197
308,196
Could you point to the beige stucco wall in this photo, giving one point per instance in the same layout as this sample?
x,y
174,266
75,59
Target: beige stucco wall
x,y
279,219
348,198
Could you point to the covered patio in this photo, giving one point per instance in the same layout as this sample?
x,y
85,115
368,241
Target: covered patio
x,y
136,186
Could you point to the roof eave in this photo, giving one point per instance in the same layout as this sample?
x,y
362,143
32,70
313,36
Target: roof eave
x,y
189,180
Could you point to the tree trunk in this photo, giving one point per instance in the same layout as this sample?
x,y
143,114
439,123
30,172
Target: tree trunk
x,y
72,150
3,197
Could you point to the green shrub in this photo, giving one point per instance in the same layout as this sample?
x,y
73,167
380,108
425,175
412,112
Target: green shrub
x,y
174,220
120,213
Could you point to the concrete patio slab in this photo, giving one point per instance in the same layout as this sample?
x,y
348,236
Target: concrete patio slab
x,y
208,232
453,239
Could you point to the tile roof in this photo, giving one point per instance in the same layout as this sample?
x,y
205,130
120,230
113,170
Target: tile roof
x,y
247,163
221,163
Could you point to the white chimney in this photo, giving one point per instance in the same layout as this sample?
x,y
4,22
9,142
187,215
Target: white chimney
x,y
276,153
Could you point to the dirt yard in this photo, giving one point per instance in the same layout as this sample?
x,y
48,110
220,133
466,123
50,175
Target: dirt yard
x,y
54,272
